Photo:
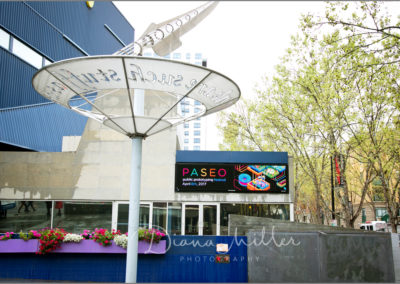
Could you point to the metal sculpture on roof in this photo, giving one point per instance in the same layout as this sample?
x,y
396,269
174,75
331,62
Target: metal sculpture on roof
x,y
163,38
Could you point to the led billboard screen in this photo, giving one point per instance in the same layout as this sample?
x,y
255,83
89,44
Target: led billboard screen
x,y
239,178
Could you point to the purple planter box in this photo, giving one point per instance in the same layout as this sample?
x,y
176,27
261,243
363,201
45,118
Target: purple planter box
x,y
85,246
152,248
19,246
88,246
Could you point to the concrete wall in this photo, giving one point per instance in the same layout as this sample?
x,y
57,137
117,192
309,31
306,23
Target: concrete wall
x,y
239,225
396,255
98,170
283,251
319,257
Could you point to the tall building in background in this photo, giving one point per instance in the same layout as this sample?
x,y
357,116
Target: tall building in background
x,y
192,134
34,34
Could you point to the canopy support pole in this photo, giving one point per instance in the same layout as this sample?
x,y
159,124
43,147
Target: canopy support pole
x,y
134,207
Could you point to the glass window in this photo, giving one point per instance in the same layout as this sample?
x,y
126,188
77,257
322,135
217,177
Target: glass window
x,y
186,148
197,56
147,54
380,212
174,218
274,211
176,56
378,193
186,140
144,215
196,133
196,147
363,216
74,217
123,213
196,140
25,215
188,56
197,125
197,63
197,103
160,215
191,219
186,133
196,110
209,220
186,125
226,210
26,53
4,39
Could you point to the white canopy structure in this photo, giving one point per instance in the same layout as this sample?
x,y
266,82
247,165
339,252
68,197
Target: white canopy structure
x,y
102,88
138,96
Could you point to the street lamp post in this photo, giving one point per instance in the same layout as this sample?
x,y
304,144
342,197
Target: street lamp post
x,y
332,190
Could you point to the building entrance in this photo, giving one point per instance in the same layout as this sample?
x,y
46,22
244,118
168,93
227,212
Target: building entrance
x,y
201,219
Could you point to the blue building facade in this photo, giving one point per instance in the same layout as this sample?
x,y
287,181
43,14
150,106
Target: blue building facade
x,y
34,34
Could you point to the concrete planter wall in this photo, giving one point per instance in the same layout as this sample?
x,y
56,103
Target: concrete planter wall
x,y
85,246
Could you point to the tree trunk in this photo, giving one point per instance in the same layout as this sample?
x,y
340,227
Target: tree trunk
x,y
393,224
318,203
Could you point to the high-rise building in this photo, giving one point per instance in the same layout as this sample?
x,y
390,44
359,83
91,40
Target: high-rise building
x,y
192,134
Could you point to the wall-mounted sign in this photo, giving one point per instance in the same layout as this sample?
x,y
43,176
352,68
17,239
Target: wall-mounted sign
x,y
222,248
238,178
222,258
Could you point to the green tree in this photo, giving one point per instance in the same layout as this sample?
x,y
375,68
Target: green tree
x,y
329,88
367,33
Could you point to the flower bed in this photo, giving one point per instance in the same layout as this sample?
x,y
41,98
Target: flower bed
x,y
99,241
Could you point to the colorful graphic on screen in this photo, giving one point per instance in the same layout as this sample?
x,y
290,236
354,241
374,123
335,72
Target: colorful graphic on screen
x,y
239,178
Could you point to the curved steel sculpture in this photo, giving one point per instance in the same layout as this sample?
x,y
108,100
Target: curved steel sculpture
x,y
163,38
